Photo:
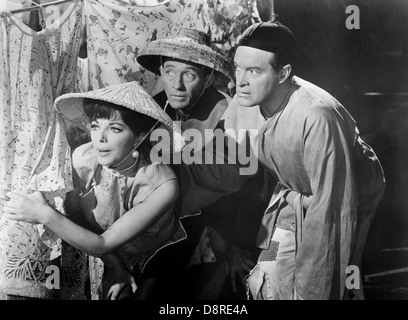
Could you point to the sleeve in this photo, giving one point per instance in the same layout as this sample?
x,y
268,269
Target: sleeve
x,y
328,227
84,162
84,165
203,184
237,216
149,179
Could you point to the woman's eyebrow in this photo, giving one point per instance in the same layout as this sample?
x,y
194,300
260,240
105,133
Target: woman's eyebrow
x,y
117,122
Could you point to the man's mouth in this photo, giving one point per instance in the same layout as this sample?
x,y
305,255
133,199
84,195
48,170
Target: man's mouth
x,y
178,97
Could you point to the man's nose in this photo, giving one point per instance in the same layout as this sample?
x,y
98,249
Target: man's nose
x,y
178,82
241,79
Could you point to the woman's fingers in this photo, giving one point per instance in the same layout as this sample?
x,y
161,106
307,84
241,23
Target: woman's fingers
x,y
13,201
37,196
15,196
133,284
10,216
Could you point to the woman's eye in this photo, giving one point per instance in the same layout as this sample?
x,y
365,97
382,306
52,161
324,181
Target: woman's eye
x,y
115,130
94,127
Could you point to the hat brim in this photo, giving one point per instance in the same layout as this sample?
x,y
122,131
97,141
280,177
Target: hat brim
x,y
187,50
129,95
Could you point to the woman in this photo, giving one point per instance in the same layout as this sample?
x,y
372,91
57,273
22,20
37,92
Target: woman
x,y
125,202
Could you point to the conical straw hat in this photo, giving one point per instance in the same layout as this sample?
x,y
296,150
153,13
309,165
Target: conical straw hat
x,y
189,45
129,95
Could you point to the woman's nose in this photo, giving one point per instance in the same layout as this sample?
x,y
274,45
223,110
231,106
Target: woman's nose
x,y
102,136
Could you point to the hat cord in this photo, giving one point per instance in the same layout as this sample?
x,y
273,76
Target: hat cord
x,y
133,150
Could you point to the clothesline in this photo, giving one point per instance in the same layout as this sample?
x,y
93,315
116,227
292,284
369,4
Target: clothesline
x,y
41,6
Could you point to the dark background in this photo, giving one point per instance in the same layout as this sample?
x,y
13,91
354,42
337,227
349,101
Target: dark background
x,y
366,69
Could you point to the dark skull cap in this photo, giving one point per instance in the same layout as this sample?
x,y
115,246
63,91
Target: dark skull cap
x,y
272,37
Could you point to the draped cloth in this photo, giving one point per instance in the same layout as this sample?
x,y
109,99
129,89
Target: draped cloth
x,y
35,68
117,30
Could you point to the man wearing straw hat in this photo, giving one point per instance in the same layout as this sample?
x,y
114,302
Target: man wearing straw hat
x,y
190,70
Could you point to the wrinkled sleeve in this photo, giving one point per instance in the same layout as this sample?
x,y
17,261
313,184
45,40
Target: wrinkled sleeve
x,y
329,224
203,184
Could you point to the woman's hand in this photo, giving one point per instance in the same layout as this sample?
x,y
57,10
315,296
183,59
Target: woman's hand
x,y
117,282
30,208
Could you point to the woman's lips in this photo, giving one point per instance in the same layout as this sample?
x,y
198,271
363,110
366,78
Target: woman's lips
x,y
103,152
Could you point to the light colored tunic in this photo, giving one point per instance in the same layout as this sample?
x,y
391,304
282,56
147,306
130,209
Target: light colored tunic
x,y
311,146
106,196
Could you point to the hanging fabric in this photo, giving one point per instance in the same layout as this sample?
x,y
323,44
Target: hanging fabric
x,y
117,30
40,7
35,68
14,5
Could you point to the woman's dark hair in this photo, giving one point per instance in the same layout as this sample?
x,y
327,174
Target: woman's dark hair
x,y
137,122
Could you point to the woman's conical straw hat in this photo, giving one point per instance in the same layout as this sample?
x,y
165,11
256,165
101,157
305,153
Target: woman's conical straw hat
x,y
129,95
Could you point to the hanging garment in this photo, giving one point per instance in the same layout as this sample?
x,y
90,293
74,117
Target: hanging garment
x,y
35,68
118,30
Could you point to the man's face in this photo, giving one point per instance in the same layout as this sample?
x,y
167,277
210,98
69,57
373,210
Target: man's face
x,y
256,79
183,83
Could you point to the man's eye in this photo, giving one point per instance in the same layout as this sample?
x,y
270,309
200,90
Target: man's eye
x,y
254,72
190,76
169,73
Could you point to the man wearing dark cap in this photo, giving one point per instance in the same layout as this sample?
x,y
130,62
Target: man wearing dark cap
x,y
330,180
